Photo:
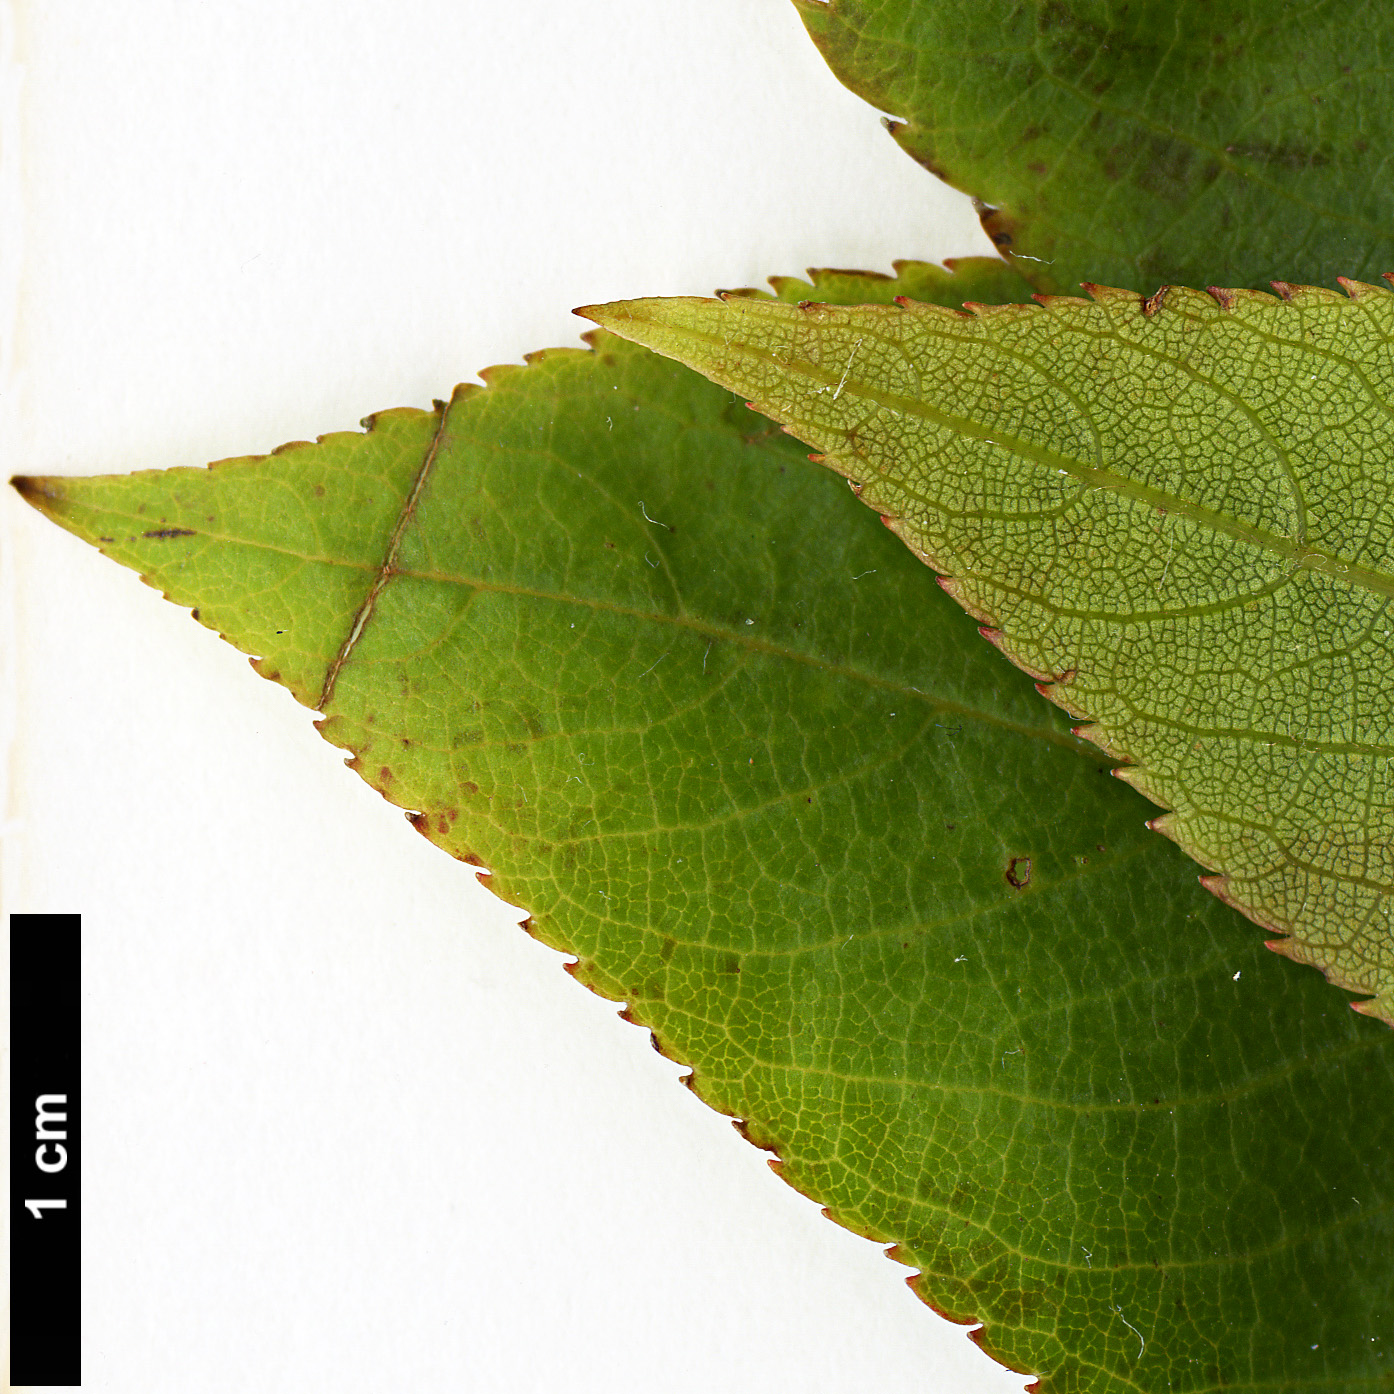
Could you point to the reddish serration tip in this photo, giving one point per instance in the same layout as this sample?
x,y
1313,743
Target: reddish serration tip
x,y
993,636
1388,276
1224,298
1370,1006
1357,290
496,372
904,301
817,459
1284,289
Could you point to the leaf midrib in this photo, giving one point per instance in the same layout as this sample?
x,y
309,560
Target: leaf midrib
x,y
748,641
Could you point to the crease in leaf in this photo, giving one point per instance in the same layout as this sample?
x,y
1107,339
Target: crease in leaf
x,y
1177,513
780,800
1194,141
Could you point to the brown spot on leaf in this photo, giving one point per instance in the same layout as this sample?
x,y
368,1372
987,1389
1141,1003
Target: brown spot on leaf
x,y
1018,873
999,226
169,532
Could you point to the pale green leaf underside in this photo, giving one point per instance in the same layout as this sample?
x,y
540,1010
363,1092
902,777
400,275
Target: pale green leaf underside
x,y
1178,513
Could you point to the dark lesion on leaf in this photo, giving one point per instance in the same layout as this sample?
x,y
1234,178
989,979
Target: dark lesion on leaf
x,y
1018,873
169,532
999,225
31,487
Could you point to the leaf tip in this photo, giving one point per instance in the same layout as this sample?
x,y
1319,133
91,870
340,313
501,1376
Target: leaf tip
x,y
598,314
44,492
29,486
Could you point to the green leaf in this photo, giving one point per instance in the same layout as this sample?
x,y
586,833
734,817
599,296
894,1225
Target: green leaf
x,y
782,801
1177,513
1194,142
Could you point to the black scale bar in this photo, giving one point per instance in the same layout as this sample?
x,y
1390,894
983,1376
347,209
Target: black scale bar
x,y
45,1149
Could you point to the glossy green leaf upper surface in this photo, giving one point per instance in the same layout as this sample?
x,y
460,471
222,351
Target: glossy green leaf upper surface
x,y
1177,513
606,631
1207,142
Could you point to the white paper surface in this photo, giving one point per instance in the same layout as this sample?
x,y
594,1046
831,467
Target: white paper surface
x,y
346,1126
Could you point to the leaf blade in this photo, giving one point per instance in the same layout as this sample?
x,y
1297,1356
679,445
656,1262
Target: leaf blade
x,y
1063,466
1188,143
1001,1083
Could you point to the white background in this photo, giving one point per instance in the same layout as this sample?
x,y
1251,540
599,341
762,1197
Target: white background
x,y
347,1127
